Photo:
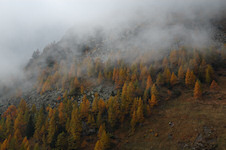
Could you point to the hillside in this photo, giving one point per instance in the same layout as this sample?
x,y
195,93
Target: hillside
x,y
122,88
183,123
170,101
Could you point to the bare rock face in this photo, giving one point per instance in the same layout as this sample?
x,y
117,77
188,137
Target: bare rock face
x,y
50,98
104,92
205,140
32,97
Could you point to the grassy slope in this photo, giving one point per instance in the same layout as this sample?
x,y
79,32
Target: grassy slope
x,y
189,116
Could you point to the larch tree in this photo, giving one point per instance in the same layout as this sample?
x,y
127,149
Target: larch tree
x,y
101,106
181,73
20,124
153,100
105,140
122,76
124,102
134,106
187,77
193,79
209,74
134,76
84,107
173,79
167,75
75,129
8,126
98,145
130,95
5,144
76,83
95,104
190,78
197,90
154,90
160,79
140,112
100,131
144,72
46,86
61,114
149,83
133,121
39,123
113,112
22,106
214,86
11,112
25,144
99,119
114,74
18,136
52,128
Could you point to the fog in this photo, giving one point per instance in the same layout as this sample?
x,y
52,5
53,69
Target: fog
x,y
27,25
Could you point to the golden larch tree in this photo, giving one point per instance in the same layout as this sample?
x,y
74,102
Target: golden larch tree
x,y
153,101
76,83
84,107
154,90
149,83
140,112
181,73
75,129
95,103
133,121
209,74
173,79
187,77
197,90
167,75
190,78
214,86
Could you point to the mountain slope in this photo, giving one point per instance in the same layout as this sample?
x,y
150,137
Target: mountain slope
x,y
183,123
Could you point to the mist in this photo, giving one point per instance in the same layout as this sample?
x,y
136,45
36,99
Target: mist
x,y
27,25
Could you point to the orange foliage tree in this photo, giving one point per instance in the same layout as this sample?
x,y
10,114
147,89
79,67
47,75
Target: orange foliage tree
x,y
214,86
197,90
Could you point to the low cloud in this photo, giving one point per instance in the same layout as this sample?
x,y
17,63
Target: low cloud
x,y
27,25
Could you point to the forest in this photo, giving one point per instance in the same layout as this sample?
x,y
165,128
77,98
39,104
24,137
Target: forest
x,y
112,75
142,86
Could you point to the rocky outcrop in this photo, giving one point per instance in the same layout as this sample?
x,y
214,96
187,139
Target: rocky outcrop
x,y
205,140
32,97
51,97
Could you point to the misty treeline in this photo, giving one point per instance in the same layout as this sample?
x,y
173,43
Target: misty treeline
x,y
144,25
142,84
